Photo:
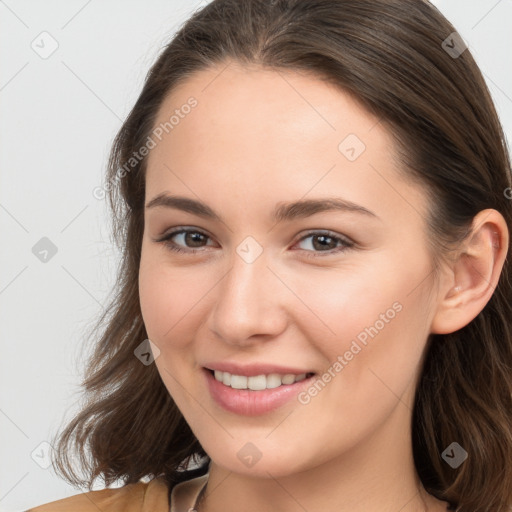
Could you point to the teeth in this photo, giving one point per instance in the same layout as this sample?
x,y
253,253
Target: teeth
x,y
258,382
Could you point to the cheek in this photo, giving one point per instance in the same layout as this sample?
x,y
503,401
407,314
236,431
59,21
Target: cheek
x,y
342,304
166,309
372,325
153,300
161,309
171,301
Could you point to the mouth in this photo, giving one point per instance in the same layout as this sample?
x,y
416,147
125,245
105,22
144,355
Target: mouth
x,y
258,382
255,395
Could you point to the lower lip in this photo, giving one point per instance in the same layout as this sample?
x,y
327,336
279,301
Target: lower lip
x,y
253,403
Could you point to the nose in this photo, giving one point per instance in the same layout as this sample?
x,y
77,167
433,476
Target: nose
x,y
249,304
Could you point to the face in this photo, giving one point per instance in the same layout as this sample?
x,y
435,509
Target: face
x,y
339,292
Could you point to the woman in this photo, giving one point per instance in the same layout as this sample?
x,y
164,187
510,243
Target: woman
x,y
311,198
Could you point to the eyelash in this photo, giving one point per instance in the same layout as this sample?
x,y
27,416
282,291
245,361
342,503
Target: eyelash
x,y
347,244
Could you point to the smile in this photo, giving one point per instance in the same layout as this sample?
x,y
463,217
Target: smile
x,y
258,382
272,390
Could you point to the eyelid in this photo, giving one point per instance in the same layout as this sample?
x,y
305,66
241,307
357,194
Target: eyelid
x,y
180,229
326,232
165,238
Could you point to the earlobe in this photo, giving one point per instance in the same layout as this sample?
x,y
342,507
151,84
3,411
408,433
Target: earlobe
x,y
474,274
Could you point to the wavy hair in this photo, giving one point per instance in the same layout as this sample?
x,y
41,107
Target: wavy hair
x,y
393,57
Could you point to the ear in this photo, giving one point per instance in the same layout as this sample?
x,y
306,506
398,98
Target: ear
x,y
473,275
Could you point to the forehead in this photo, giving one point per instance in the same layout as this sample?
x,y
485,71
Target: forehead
x,y
262,129
275,101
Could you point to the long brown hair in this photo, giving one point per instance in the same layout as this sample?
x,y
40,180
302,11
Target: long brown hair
x,y
396,58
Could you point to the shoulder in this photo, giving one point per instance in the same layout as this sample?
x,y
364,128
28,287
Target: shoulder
x,y
135,497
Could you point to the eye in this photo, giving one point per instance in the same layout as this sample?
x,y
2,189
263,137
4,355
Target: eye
x,y
184,236
325,242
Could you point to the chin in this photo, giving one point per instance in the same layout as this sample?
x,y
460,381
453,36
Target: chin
x,y
262,462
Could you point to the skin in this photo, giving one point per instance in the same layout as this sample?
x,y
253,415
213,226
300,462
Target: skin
x,y
258,138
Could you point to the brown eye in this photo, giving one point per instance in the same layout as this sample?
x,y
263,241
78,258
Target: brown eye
x,y
329,243
194,238
185,240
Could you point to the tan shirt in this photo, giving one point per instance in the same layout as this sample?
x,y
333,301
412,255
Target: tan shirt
x,y
184,495
138,497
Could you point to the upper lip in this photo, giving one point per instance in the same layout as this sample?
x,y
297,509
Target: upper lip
x,y
251,370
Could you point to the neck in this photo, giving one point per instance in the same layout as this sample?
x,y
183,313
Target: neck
x,y
377,475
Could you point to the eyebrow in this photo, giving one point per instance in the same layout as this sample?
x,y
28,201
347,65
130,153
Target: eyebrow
x,y
283,211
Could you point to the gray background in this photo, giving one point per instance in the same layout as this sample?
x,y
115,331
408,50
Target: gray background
x,y
59,116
